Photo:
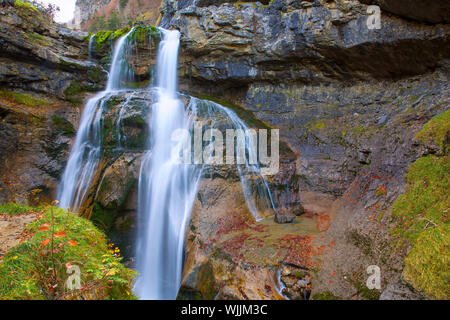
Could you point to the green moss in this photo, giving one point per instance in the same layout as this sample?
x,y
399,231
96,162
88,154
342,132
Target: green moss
x,y
96,75
103,40
14,208
437,131
426,265
119,33
426,196
316,125
103,36
64,126
327,295
22,98
36,37
27,271
422,216
24,5
73,92
362,242
102,218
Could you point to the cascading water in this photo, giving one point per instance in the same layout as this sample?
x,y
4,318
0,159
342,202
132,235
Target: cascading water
x,y
167,188
91,46
86,151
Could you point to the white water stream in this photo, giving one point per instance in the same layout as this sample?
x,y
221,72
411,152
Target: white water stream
x,y
85,153
167,188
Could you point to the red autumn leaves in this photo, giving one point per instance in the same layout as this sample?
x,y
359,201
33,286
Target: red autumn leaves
x,y
60,234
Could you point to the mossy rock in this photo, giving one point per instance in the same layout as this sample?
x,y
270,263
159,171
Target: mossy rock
x,y
23,98
437,132
422,220
64,126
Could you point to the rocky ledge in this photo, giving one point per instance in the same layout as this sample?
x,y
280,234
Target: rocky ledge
x,y
43,70
349,101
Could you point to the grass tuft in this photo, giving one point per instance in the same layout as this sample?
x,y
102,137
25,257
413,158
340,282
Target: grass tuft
x,y
14,208
22,98
437,131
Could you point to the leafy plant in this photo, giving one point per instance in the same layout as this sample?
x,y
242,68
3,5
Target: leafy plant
x,y
37,268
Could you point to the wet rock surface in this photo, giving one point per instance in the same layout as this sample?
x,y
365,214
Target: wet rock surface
x,y
348,101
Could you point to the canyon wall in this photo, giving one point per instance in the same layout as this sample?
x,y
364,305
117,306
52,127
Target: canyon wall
x,y
43,68
348,100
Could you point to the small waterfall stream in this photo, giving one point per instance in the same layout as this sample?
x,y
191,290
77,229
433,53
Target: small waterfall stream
x,y
86,151
166,187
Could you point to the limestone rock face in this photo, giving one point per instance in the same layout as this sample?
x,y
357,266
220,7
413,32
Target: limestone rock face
x,y
421,10
348,101
40,65
308,42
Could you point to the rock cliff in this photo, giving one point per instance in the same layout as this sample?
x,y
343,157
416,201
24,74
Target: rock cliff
x,y
348,100
43,67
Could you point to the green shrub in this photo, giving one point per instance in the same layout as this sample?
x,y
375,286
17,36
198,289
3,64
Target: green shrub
x,y
24,4
36,268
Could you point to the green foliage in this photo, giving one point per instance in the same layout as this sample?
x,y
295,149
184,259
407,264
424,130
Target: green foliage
x,y
422,213
25,5
36,268
14,208
437,131
114,22
327,295
73,92
426,198
22,98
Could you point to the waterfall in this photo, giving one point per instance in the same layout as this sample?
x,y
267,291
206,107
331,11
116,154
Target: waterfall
x,y
91,45
85,153
167,188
